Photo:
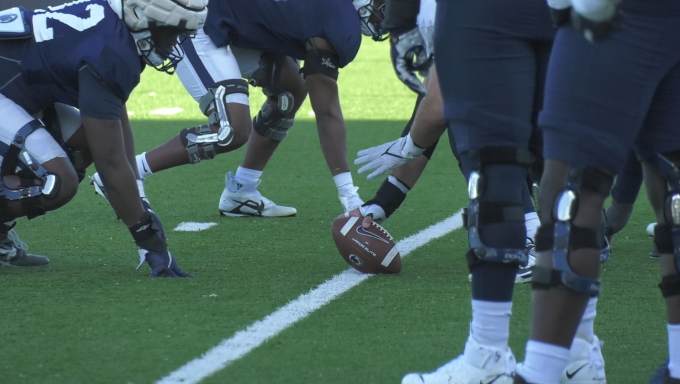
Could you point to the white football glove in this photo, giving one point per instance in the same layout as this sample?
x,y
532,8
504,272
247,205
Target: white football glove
x,y
350,199
375,210
388,156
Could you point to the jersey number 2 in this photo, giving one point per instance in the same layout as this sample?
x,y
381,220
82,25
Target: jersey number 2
x,y
44,33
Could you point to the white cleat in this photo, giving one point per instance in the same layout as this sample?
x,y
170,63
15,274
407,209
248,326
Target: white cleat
x,y
478,365
350,199
98,185
250,203
525,273
586,364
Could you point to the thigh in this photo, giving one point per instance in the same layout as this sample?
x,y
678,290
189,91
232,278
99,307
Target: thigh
x,y
489,86
39,144
205,65
661,129
597,96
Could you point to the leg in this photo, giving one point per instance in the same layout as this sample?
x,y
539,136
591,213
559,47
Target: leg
x,y
278,76
205,68
486,69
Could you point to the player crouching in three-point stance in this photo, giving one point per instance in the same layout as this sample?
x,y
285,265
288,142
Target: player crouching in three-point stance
x,y
261,41
87,54
604,95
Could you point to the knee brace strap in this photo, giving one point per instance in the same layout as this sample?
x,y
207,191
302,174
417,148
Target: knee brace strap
x,y
193,142
579,237
663,238
670,286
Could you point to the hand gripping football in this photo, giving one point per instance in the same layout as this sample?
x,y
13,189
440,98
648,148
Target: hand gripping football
x,y
369,250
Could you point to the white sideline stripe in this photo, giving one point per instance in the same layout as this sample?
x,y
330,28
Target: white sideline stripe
x,y
193,227
348,225
244,341
390,256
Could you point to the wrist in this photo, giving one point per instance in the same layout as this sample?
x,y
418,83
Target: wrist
x,y
410,150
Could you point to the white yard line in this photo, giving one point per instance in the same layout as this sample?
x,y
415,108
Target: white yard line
x,y
193,226
232,349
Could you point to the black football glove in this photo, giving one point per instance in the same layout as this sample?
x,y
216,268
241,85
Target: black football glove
x,y
409,55
150,237
163,264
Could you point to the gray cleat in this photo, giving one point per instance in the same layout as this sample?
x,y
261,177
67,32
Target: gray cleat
x,y
13,250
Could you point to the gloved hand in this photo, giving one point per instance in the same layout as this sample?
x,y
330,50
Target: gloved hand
x,y
154,249
388,156
162,264
409,55
595,19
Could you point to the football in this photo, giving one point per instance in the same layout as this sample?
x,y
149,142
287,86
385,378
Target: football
x,y
369,250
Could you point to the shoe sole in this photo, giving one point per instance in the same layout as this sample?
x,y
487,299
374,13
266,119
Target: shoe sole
x,y
231,214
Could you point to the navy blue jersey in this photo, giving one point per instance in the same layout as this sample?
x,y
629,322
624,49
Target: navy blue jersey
x,y
283,26
67,37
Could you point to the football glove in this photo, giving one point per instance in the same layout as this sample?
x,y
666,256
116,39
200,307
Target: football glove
x,y
409,55
375,211
162,264
388,156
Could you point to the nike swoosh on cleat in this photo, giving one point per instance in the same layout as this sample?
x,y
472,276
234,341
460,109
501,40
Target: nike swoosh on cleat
x,y
570,375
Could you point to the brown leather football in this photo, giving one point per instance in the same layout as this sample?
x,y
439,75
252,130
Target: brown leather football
x,y
369,250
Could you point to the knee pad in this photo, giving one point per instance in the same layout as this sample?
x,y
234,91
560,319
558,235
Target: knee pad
x,y
480,213
195,142
213,105
562,237
17,161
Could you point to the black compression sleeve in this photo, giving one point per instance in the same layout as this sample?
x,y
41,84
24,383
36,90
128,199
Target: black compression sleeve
x,y
400,14
95,99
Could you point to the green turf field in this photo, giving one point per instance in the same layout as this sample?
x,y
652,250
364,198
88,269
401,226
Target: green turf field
x,y
90,317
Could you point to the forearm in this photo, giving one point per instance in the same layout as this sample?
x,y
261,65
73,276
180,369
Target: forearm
x,y
428,126
121,188
107,144
333,139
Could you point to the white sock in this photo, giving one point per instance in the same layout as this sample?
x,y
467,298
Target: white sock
x,y
248,178
343,181
586,325
674,350
140,186
544,363
143,166
532,223
490,324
